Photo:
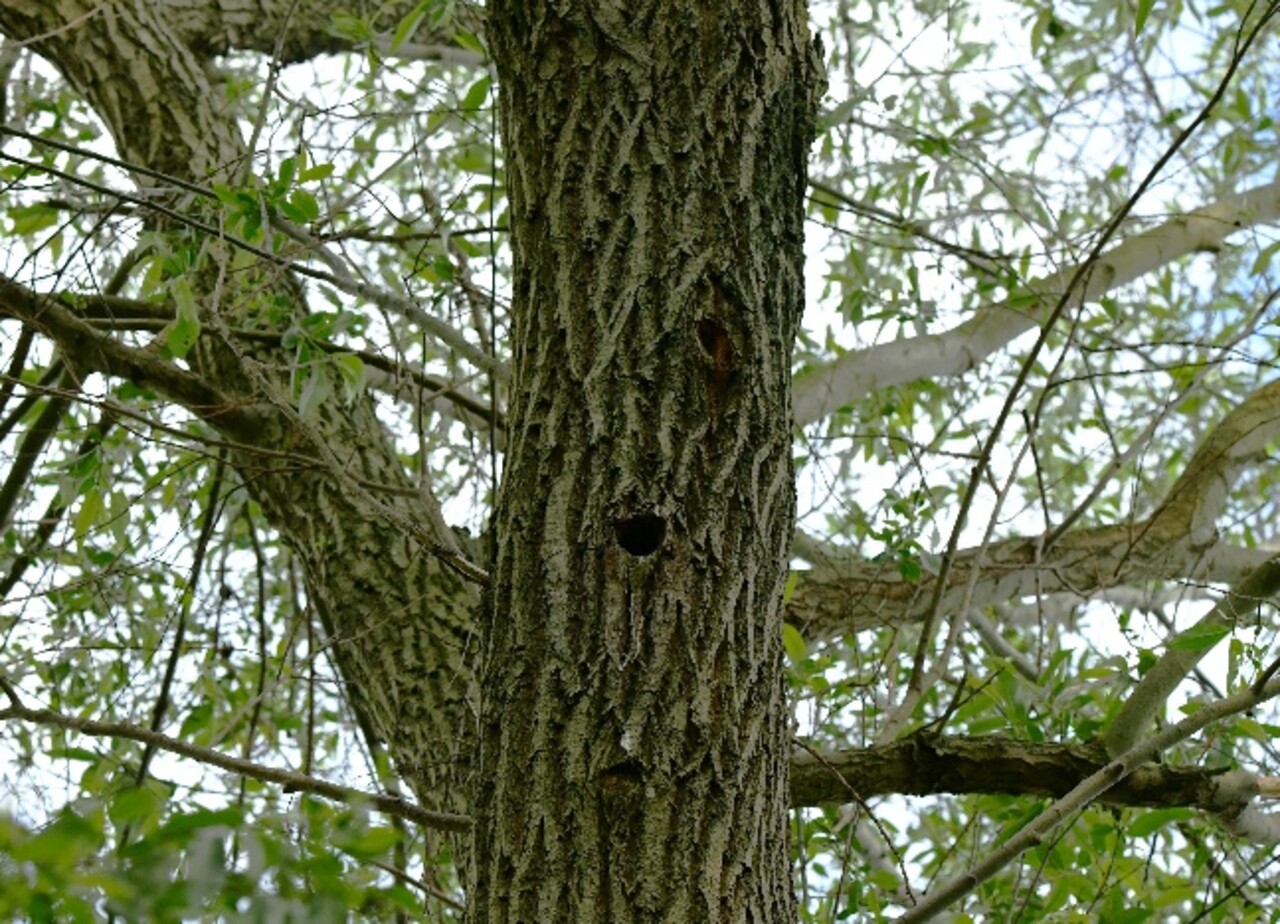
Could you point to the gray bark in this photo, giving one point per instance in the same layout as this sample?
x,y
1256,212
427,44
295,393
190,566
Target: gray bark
x,y
925,765
633,760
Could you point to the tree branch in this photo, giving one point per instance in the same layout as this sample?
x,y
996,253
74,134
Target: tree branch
x,y
820,391
917,766
117,313
444,821
1178,541
926,765
859,594
340,278
217,27
1093,787
32,444
1196,499
90,350
1184,652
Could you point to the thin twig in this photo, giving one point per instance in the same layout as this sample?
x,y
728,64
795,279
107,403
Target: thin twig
x,y
291,780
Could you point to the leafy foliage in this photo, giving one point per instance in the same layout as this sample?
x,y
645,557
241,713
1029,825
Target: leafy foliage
x,y
968,152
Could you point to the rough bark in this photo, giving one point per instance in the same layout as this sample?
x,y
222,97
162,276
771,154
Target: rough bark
x,y
401,623
293,32
924,765
634,742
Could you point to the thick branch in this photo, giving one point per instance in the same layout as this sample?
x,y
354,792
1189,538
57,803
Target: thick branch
x,y
916,766
822,390
1197,497
1176,543
858,594
399,620
923,765
90,350
301,31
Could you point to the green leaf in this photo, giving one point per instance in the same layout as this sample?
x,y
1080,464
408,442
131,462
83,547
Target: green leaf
x,y
1262,262
133,805
177,827
28,219
288,170
409,24
238,200
350,27
314,393
371,843
197,719
1150,822
789,589
1134,915
1140,17
1200,638
318,172
251,226
181,333
63,843
351,370
89,513
301,207
474,159
1254,729
796,647
476,94
884,879
838,114
471,42
442,268
1176,896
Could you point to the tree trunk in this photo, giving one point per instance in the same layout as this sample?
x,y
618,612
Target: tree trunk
x,y
633,761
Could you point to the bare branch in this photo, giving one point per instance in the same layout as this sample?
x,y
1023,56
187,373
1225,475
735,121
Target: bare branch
x,y
444,821
32,444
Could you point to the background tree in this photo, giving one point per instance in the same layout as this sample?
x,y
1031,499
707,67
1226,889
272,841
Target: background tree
x,y
275,313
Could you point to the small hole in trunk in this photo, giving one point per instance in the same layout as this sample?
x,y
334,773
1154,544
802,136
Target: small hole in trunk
x,y
641,535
